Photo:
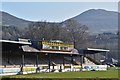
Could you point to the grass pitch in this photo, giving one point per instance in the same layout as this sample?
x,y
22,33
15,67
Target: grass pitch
x,y
81,74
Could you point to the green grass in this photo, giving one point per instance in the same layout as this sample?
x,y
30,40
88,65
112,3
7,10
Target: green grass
x,y
83,74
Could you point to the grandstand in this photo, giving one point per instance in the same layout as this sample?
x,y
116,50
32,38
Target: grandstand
x,y
44,56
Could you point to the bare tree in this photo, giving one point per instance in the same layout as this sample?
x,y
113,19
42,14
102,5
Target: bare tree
x,y
43,30
75,32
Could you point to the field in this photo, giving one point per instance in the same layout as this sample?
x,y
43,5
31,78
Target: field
x,y
112,73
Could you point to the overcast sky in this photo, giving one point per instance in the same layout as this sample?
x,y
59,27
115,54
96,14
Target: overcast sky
x,y
53,11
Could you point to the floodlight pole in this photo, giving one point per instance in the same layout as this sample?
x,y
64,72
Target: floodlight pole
x,y
49,62
71,60
9,57
82,55
21,69
81,62
36,62
106,56
63,61
94,56
36,59
23,59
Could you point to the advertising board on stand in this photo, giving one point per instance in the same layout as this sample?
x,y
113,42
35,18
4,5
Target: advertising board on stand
x,y
9,70
94,67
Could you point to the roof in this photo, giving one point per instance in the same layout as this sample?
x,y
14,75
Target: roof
x,y
58,52
16,42
27,48
8,45
92,51
18,46
101,50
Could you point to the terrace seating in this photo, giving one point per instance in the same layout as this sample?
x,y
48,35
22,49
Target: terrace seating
x,y
30,59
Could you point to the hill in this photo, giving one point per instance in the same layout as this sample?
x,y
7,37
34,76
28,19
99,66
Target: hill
x,y
10,20
99,20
